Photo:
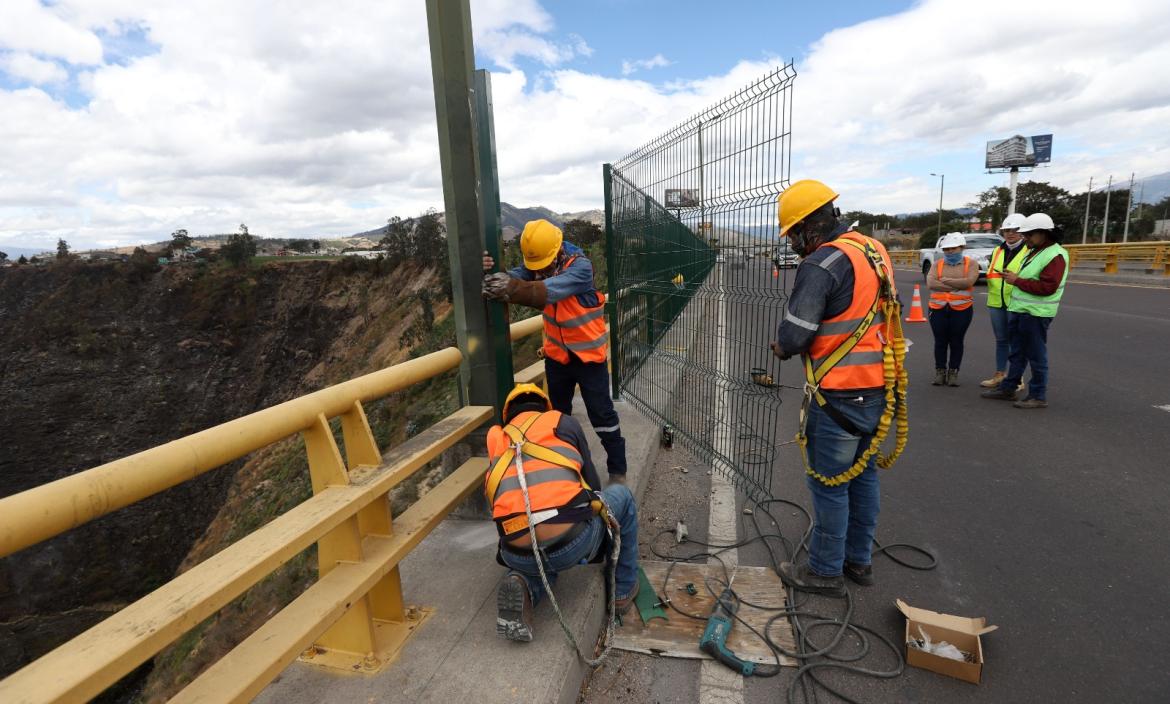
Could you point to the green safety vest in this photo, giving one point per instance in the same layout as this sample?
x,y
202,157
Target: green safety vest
x,y
1039,306
999,292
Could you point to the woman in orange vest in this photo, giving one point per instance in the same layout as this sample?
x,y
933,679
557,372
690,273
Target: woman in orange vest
x,y
562,487
952,296
557,278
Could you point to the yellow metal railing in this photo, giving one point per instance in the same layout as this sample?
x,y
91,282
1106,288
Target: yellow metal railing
x,y
353,617
904,257
1156,255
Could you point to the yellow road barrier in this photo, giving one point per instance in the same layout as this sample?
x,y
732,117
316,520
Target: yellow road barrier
x,y
1156,255
353,618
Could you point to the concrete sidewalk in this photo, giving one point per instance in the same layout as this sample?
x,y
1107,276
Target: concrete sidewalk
x,y
456,654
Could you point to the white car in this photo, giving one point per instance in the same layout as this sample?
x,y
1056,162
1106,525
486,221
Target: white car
x,y
979,247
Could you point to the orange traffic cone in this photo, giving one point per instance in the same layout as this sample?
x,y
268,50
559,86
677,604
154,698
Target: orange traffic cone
x,y
775,273
916,315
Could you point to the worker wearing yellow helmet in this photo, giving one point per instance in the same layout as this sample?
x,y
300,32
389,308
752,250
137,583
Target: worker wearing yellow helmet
x,y
557,278
842,319
556,503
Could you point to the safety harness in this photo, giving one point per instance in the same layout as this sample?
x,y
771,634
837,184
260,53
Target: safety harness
x,y
893,375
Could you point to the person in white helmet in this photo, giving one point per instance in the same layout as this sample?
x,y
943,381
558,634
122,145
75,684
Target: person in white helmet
x,y
1007,257
1039,288
952,296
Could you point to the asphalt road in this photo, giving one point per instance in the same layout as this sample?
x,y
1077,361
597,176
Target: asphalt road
x,y
1051,523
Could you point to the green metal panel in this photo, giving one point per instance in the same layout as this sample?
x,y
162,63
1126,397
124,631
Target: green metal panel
x,y
449,27
489,200
611,304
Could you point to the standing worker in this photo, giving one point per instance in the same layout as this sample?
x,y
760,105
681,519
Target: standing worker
x,y
843,318
558,492
1039,286
557,277
952,301
1008,256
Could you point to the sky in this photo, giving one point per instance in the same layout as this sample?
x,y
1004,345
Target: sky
x,y
125,120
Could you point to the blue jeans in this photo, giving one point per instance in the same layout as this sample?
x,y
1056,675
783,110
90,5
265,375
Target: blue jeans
x,y
593,378
999,326
949,327
1029,347
844,516
582,549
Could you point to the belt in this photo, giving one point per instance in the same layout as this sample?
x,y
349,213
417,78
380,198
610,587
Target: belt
x,y
559,542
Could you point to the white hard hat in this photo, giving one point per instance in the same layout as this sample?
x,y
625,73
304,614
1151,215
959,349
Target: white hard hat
x,y
1012,222
1037,221
952,239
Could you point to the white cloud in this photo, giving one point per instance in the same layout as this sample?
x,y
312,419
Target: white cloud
x,y
656,61
320,119
29,68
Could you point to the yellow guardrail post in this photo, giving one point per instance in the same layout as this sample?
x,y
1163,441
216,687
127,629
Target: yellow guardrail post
x,y
1111,261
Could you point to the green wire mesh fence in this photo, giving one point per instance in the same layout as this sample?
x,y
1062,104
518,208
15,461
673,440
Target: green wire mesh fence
x,y
697,277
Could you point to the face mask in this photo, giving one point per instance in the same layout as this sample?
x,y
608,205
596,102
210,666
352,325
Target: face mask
x,y
952,259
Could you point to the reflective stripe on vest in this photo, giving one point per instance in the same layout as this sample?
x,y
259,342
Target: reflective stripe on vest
x,y
862,367
957,300
570,326
999,292
1039,306
552,467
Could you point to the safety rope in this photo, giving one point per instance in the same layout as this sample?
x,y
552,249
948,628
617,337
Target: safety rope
x,y
894,376
614,531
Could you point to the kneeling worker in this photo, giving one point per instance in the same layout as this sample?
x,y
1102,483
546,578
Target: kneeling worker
x,y
555,469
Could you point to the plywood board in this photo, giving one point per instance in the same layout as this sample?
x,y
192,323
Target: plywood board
x,y
678,636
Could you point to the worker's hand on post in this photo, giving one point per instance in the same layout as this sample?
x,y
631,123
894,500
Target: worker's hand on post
x,y
495,286
488,262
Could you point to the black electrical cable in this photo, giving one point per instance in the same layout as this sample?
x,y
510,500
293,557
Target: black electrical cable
x,y
813,658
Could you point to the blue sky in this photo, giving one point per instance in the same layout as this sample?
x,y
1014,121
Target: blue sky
x,y
125,120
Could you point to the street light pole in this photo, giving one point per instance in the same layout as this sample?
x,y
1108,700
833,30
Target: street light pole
x,y
942,179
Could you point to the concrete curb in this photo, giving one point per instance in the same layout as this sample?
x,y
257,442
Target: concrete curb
x,y
456,654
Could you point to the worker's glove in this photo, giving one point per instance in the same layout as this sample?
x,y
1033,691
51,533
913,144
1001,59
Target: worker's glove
x,y
495,286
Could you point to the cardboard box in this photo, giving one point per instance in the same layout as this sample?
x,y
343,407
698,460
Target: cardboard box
x,y
962,632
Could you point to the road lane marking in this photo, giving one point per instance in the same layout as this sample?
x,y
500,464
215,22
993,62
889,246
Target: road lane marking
x,y
1164,408
718,684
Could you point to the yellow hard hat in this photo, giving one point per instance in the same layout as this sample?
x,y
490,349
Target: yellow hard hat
x,y
540,242
800,200
523,390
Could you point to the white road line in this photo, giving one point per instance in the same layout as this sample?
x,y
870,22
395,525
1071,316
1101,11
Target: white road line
x,y
1164,408
718,684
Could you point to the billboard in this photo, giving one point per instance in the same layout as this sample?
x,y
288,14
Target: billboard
x,y
1018,150
682,197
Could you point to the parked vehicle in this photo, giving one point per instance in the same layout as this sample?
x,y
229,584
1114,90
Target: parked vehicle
x,y
784,258
979,247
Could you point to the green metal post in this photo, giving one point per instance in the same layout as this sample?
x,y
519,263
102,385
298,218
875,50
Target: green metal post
x,y
452,56
611,271
489,201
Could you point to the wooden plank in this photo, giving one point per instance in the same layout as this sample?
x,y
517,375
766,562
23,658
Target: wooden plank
x,y
249,667
85,666
678,636
532,374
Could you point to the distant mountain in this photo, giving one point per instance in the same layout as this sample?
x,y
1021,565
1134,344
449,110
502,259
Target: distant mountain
x,y
15,252
1151,188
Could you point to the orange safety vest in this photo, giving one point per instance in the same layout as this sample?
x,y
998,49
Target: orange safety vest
x,y
861,368
957,300
570,326
552,470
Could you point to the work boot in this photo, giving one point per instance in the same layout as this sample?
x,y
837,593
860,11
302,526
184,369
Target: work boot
x,y
802,579
940,377
999,394
861,574
514,609
952,377
622,604
993,381
1031,403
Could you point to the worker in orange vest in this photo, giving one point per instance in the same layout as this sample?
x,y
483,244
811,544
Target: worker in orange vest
x,y
557,278
952,297
567,517
841,317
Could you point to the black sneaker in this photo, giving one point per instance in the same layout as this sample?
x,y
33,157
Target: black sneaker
x,y
802,579
514,609
999,394
861,574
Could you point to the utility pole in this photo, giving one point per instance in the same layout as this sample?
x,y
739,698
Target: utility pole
x,y
452,57
942,179
1088,199
1128,205
1105,225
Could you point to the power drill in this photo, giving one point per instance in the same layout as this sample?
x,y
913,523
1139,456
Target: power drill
x,y
714,640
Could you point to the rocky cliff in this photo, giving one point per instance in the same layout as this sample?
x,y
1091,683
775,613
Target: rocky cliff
x,y
98,362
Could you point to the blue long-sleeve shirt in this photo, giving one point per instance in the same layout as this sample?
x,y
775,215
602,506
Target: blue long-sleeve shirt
x,y
823,289
575,280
